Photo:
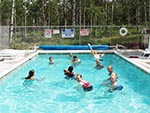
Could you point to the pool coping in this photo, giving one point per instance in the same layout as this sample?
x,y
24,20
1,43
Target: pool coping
x,y
140,63
22,60
13,64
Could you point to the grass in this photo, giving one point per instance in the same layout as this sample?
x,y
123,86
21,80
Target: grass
x,y
24,43
97,36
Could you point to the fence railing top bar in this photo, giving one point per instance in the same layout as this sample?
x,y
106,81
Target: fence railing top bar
x,y
81,26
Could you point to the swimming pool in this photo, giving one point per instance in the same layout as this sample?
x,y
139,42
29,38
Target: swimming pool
x,y
58,95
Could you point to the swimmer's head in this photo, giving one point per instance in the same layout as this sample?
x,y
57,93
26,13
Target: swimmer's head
x,y
97,61
109,68
70,69
65,71
78,77
31,72
50,58
113,77
30,75
113,74
74,57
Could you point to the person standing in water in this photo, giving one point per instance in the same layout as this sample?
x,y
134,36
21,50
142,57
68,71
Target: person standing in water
x,y
85,85
94,53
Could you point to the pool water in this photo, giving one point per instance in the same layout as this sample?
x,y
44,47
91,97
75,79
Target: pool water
x,y
55,94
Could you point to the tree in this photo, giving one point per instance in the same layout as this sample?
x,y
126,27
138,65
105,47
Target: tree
x,y
77,12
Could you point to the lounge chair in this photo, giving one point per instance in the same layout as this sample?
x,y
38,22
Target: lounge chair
x,y
1,59
146,53
7,55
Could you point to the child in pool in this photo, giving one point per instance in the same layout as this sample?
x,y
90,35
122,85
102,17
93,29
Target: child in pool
x,y
75,60
110,70
98,64
113,83
51,60
69,73
31,76
94,53
85,85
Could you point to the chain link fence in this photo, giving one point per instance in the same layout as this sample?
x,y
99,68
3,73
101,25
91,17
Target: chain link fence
x,y
4,37
27,36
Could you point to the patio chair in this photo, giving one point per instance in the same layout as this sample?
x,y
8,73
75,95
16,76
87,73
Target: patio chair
x,y
1,59
7,55
146,54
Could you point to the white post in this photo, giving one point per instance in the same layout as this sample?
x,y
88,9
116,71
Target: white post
x,y
25,22
12,22
25,7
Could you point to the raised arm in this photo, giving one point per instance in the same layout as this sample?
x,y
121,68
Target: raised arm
x,y
92,51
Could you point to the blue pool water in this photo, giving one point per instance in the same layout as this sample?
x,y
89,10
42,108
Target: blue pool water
x,y
58,95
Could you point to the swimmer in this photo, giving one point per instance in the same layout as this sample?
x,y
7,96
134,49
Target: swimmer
x,y
94,53
85,85
113,80
31,76
69,73
110,70
70,55
75,60
98,64
51,60
113,83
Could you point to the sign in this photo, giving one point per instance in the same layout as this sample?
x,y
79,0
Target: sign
x,y
84,32
56,31
48,33
67,33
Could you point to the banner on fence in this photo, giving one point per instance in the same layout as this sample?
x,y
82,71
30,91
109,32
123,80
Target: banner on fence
x,y
56,31
48,33
84,32
67,33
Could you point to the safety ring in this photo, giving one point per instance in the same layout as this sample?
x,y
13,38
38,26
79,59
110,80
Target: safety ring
x,y
123,31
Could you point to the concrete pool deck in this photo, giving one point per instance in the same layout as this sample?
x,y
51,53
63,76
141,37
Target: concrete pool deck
x,y
22,56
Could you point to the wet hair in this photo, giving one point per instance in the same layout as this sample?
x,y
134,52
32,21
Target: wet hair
x,y
31,74
70,69
50,57
79,75
75,56
110,67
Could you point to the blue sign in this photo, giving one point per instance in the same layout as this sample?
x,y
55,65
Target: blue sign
x,y
67,33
